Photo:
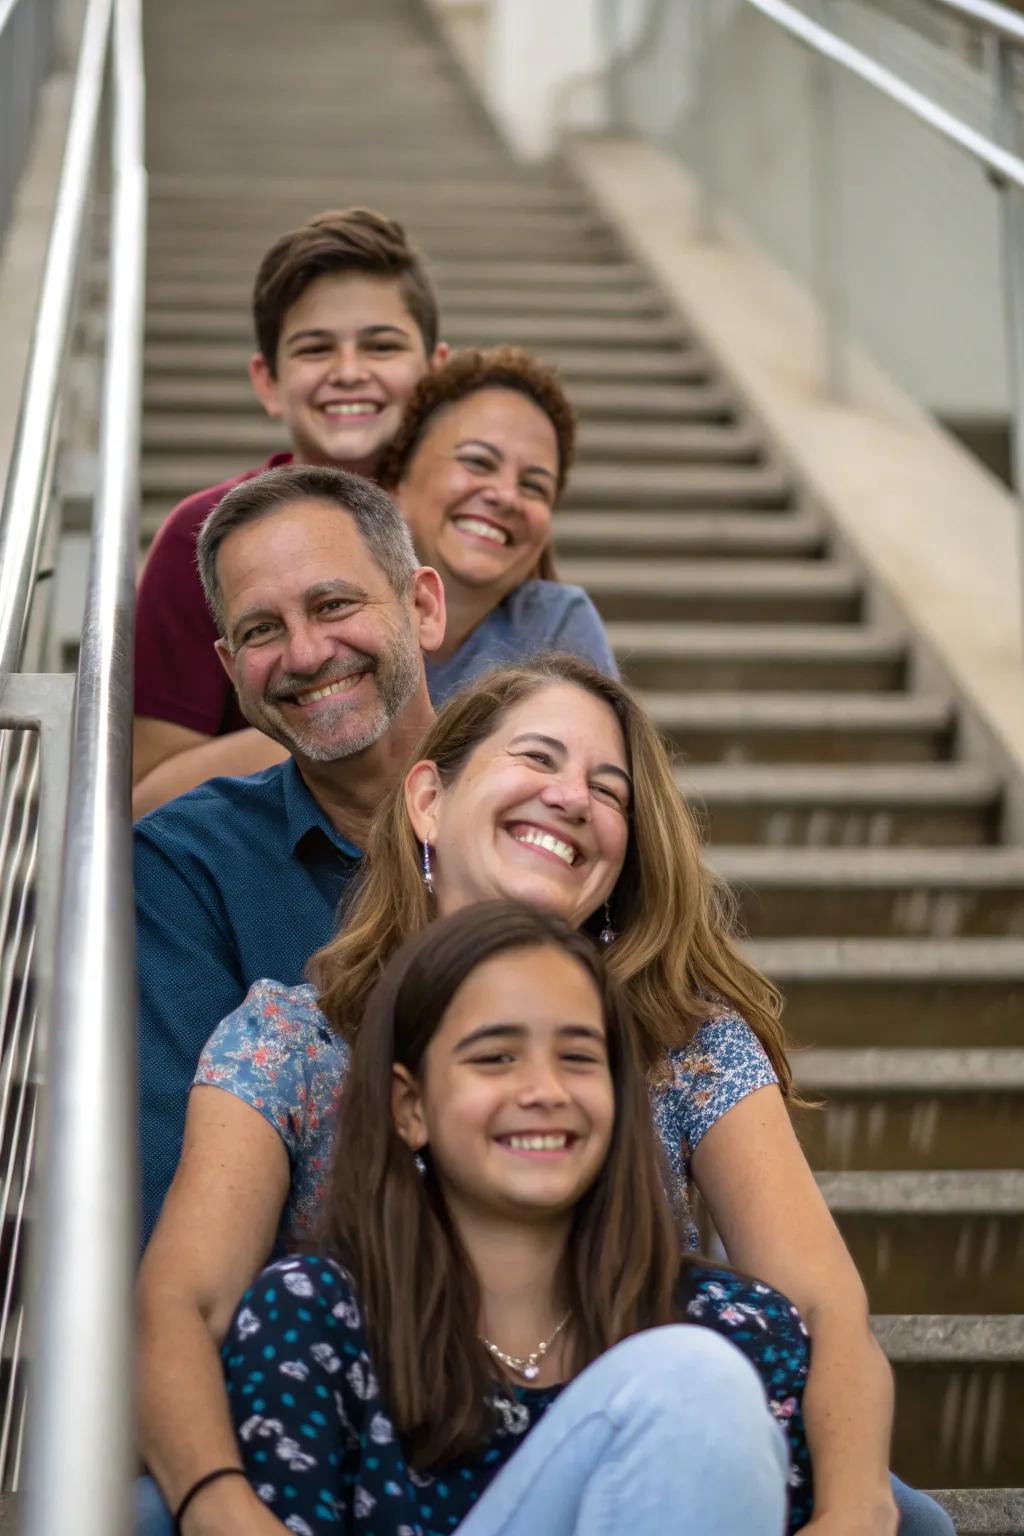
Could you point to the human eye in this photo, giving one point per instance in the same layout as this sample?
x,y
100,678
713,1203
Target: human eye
x,y
478,461
538,755
492,1058
312,349
254,633
536,488
385,344
333,606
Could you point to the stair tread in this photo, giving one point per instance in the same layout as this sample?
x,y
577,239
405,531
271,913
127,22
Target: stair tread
x,y
801,710
909,1337
979,868
981,1191
887,1069
840,784
891,960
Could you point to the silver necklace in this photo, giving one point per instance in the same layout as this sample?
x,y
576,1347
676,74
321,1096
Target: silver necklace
x,y
525,1365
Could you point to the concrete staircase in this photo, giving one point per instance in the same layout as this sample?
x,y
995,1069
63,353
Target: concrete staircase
x,y
876,876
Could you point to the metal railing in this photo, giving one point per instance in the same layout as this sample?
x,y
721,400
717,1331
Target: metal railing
x,y
709,25
67,975
26,51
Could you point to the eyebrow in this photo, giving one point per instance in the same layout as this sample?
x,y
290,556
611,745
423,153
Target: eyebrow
x,y
519,1032
321,333
559,746
481,442
311,595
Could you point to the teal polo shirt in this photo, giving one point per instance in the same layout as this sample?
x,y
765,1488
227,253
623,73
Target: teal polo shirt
x,y
237,880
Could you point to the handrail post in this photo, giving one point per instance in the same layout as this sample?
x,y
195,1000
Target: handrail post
x,y
87,1245
1011,218
826,198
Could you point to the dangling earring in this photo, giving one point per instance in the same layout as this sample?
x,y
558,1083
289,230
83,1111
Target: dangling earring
x,y
419,1163
608,934
428,873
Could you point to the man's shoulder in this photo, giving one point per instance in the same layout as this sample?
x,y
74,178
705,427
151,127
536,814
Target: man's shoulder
x,y
213,811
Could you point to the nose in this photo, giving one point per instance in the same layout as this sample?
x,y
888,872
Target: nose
x,y
541,1086
348,365
502,489
306,649
569,793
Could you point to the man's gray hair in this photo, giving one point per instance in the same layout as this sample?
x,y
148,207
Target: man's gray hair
x,y
378,520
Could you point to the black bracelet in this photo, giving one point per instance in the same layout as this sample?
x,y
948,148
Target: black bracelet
x,y
197,1487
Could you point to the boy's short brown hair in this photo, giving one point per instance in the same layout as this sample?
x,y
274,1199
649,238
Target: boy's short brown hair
x,y
340,240
466,373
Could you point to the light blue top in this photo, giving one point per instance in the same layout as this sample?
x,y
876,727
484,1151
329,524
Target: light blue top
x,y
278,1054
538,616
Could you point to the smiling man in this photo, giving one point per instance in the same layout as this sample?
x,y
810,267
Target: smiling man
x,y
323,615
346,324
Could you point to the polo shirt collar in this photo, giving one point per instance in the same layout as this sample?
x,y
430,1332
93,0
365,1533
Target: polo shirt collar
x,y
303,815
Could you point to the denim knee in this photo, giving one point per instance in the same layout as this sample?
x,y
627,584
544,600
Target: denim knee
x,y
661,1363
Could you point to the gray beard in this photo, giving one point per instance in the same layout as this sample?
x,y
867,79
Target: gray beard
x,y
397,676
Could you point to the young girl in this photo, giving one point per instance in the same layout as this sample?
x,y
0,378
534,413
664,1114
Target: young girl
x,y
496,1227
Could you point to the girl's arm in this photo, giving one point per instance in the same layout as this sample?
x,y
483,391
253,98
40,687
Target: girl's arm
x,y
763,1199
216,1230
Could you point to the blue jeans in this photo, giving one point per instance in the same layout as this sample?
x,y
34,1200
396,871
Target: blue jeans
x,y
611,1438
669,1428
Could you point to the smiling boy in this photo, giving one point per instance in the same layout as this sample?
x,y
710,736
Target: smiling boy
x,y
346,324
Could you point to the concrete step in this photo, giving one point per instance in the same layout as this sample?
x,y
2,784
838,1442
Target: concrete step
x,y
805,727
463,327
883,1108
232,296
902,892
722,657
837,805
983,1511
254,435
453,273
899,992
627,535
934,1241
293,197
654,486
960,1397
732,591
590,242
230,397
620,364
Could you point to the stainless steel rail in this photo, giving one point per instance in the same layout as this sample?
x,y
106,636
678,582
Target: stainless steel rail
x,y
75,1038
87,1241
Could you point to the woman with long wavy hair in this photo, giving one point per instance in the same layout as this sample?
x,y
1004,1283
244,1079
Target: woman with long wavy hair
x,y
549,784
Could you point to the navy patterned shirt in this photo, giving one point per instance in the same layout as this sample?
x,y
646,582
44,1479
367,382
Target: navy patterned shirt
x,y
237,878
323,1455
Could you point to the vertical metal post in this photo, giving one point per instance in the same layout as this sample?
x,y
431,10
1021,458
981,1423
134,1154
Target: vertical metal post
x,y
708,157
1011,218
826,216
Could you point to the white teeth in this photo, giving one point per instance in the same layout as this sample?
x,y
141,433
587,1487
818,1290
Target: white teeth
x,y
551,1143
352,408
546,841
481,529
341,686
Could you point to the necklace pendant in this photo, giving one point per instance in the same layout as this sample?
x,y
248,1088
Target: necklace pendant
x,y
530,1371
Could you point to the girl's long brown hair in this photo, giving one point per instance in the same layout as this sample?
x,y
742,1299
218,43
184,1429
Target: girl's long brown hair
x,y
676,954
390,1226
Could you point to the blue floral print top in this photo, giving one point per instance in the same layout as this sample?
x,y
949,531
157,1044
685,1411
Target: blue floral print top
x,y
323,1455
278,1054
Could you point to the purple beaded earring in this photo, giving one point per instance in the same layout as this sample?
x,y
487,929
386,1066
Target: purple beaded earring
x,y
608,934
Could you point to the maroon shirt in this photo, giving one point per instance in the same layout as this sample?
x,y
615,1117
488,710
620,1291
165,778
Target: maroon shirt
x,y
177,674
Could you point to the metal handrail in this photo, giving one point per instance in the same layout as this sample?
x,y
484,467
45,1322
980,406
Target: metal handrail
x,y
23,516
1004,164
86,1241
995,19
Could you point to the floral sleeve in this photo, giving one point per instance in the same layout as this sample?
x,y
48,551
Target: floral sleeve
x,y
721,1065
264,1052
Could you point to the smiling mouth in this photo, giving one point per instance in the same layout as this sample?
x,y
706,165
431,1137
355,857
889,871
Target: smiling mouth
x,y
538,1141
478,528
332,690
546,842
342,409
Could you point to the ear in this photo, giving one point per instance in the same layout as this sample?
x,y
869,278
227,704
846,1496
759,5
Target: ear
x,y
423,791
428,607
226,657
407,1108
261,377
441,353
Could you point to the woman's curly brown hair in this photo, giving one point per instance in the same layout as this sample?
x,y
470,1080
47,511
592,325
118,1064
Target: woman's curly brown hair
x,y
465,374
